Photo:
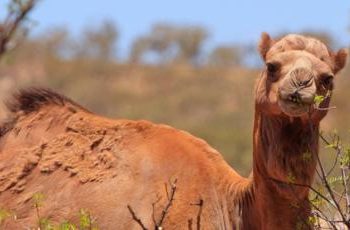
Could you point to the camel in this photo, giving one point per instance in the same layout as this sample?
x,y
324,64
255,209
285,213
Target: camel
x,y
140,175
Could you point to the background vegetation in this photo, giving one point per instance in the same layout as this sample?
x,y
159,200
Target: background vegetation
x,y
168,77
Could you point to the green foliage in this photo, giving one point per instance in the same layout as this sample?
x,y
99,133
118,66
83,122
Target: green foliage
x,y
38,199
317,201
86,220
291,178
300,225
312,220
66,225
345,158
45,224
334,179
331,146
307,157
318,100
4,214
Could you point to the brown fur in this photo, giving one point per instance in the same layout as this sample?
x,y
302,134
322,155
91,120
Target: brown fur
x,y
80,160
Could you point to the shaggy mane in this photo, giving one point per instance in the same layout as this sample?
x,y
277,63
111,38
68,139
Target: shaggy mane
x,y
33,99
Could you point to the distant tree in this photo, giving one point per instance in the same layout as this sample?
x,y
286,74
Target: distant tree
x,y
161,38
225,56
190,42
170,43
99,42
56,42
159,41
137,50
14,22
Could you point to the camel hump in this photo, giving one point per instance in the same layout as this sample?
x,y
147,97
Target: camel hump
x,y
33,99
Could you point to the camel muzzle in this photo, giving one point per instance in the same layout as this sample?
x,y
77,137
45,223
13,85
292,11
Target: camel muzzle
x,y
297,91
298,87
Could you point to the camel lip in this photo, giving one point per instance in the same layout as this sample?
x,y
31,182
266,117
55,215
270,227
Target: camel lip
x,y
292,108
302,101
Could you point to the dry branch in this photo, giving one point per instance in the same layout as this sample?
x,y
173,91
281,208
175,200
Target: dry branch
x,y
157,224
168,205
135,218
13,21
200,204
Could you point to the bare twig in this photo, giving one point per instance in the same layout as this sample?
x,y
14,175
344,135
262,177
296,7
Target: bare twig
x,y
346,192
302,185
37,213
189,222
200,204
168,205
323,109
135,218
166,190
336,147
154,210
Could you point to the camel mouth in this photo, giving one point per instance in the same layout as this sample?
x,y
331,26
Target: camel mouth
x,y
293,108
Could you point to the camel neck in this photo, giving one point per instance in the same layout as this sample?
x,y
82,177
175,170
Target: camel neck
x,y
284,153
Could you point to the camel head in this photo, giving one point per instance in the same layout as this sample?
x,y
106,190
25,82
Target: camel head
x,y
298,69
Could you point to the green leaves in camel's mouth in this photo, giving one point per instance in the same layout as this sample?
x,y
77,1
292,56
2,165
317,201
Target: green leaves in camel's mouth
x,y
318,100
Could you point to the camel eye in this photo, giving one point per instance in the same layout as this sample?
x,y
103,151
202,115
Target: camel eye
x,y
272,69
327,80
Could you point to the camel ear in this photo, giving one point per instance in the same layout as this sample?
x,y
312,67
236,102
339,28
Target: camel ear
x,y
265,44
340,59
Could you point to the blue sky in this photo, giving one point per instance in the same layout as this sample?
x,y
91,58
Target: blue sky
x,y
229,21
